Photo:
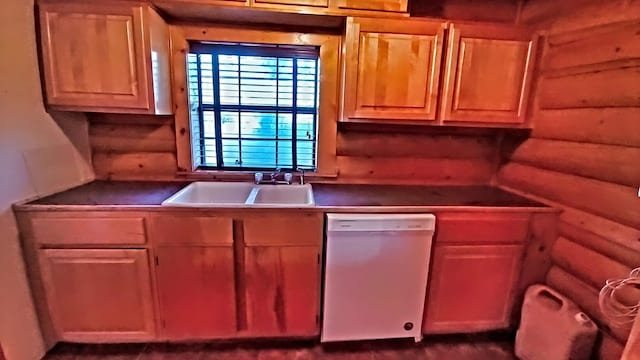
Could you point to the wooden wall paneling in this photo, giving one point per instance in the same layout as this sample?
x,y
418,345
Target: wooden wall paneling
x,y
612,231
622,254
632,349
536,261
614,202
608,348
604,43
488,74
135,137
142,165
614,164
398,144
586,297
420,170
615,87
612,126
588,265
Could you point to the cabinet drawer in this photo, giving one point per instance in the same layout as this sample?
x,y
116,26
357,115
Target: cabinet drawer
x,y
283,230
88,231
481,228
167,230
320,3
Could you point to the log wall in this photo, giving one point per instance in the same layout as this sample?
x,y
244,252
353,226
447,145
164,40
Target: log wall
x,y
584,151
143,147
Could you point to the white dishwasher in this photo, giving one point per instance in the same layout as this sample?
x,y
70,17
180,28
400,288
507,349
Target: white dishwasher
x,y
376,270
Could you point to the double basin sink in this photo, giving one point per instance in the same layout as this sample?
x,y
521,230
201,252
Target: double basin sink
x,y
241,194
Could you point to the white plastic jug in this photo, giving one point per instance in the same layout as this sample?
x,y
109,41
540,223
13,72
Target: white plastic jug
x,y
553,328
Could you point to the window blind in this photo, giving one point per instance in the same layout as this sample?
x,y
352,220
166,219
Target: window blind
x,y
253,106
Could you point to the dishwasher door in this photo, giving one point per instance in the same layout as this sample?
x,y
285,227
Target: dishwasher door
x,y
376,272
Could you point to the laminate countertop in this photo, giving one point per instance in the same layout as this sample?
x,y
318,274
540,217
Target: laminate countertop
x,y
329,196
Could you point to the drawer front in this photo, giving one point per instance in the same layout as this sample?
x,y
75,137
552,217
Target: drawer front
x,y
284,230
175,230
88,231
461,228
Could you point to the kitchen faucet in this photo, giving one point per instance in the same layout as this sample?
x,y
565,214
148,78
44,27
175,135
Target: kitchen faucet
x,y
273,177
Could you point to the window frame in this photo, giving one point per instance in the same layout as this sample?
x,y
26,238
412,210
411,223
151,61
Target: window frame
x,y
328,98
217,107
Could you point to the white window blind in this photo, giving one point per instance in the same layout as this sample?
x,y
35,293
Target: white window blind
x,y
253,106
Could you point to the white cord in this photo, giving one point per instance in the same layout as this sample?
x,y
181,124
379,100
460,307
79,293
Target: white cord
x,y
621,315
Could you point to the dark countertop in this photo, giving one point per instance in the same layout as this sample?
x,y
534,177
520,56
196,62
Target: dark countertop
x,y
337,195
114,193
138,193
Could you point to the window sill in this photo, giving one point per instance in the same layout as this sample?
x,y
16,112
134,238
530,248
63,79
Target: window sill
x,y
221,175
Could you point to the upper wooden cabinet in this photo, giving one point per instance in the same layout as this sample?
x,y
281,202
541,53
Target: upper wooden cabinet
x,y
379,5
320,3
105,57
488,74
392,69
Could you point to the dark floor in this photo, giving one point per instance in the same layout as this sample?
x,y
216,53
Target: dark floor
x,y
440,348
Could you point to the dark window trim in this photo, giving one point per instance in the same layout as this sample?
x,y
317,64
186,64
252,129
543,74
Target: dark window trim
x,y
214,49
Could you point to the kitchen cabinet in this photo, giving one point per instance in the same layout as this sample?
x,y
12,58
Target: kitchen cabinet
x,y
472,288
195,276
392,69
488,74
99,295
319,3
282,274
476,267
105,57
380,5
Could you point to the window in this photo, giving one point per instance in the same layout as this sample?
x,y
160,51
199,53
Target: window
x,y
253,106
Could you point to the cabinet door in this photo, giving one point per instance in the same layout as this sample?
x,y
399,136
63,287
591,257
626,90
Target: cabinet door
x,y
392,69
282,290
99,295
320,3
472,288
93,55
196,290
380,5
488,74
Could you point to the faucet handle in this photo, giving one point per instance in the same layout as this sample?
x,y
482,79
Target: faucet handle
x,y
301,171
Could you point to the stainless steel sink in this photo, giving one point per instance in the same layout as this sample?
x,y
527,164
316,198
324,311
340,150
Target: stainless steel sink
x,y
238,194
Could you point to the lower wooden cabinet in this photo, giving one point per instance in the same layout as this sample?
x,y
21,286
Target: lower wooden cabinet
x,y
99,295
472,288
282,290
196,292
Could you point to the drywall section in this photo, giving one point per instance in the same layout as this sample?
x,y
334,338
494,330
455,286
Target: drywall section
x,y
38,156
584,152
